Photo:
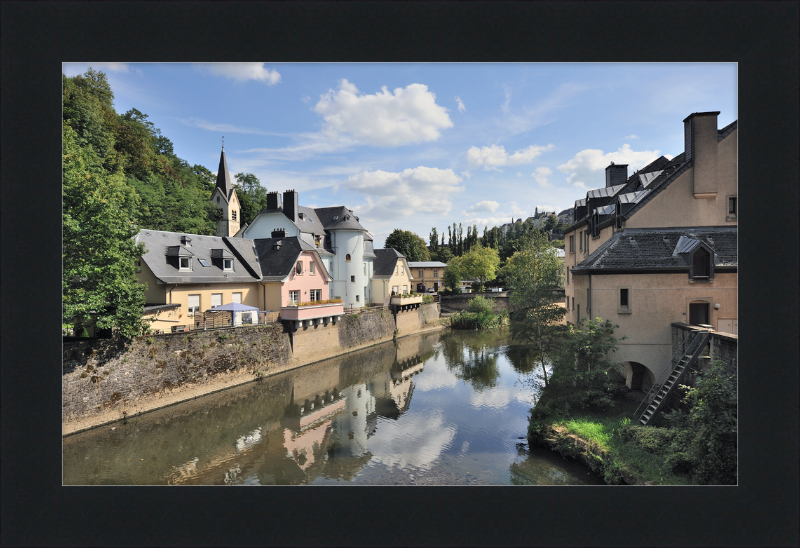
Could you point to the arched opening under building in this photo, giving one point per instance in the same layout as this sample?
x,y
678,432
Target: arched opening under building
x,y
637,376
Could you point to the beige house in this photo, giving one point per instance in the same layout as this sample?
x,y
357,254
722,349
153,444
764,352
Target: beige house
x,y
429,273
658,247
391,274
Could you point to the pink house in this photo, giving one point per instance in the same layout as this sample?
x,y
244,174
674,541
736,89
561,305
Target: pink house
x,y
293,274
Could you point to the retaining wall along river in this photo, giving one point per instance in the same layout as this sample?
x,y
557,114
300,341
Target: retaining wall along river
x,y
107,380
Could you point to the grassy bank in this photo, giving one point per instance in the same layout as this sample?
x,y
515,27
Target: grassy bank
x,y
620,444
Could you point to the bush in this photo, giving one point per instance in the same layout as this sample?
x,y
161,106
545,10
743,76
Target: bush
x,y
480,304
475,320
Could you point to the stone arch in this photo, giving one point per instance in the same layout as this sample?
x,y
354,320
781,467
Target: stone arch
x,y
635,374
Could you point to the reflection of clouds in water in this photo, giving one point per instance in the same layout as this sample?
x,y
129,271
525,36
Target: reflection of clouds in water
x,y
435,378
496,398
416,441
464,447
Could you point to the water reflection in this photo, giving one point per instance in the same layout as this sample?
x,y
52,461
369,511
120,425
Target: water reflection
x,y
392,414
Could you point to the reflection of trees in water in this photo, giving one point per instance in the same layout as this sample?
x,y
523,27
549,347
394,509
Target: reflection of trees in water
x,y
542,469
521,357
478,365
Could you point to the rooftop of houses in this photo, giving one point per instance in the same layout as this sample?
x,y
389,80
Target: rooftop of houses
x,y
206,255
660,249
427,264
277,256
385,261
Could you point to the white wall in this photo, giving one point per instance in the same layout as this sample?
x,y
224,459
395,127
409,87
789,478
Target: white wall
x,y
265,223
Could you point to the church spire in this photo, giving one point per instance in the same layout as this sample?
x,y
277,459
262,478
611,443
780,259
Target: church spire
x,y
223,177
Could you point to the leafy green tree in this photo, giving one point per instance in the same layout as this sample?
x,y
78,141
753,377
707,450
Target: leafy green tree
x,y
442,254
434,241
551,221
409,244
99,254
87,106
452,274
581,363
532,273
480,263
252,196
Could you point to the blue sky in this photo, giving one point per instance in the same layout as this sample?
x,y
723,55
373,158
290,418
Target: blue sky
x,y
414,146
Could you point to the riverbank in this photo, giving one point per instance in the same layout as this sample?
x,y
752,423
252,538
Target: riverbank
x,y
108,384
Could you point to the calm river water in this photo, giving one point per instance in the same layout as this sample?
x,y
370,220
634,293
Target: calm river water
x,y
433,409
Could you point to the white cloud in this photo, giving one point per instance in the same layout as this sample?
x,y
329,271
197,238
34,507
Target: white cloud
x,y
504,106
385,119
486,205
586,169
631,137
305,98
228,128
461,106
541,174
241,72
467,175
494,156
519,174
400,195
73,69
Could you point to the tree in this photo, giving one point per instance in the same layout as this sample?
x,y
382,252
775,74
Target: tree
x,y
550,223
443,255
452,274
480,263
532,273
252,196
409,244
434,239
99,253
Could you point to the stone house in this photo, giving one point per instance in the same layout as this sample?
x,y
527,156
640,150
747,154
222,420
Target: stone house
x,y
392,275
343,245
659,247
429,273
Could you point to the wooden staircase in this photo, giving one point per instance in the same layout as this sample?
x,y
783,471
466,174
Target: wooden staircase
x,y
686,355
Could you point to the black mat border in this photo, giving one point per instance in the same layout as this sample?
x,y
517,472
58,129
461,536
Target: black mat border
x,y
761,37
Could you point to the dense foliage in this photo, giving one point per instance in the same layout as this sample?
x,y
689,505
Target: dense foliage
x,y
532,274
409,244
99,254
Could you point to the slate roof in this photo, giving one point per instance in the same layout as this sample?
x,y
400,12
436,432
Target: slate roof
x,y
224,178
646,178
727,130
277,264
308,221
158,244
605,192
632,197
369,249
385,261
654,249
338,218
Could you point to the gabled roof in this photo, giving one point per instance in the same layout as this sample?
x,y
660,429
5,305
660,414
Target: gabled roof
x,y
427,264
605,192
308,221
647,178
277,257
224,178
161,244
385,261
653,249
727,130
338,218
605,210
632,197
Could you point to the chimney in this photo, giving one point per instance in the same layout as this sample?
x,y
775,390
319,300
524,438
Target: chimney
x,y
700,146
290,204
616,174
273,201
279,233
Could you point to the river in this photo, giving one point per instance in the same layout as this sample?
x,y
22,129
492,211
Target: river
x,y
445,408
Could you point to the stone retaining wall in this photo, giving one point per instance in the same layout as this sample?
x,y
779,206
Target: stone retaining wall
x,y
105,375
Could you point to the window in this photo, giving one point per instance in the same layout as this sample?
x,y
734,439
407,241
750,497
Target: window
x,y
365,269
573,303
217,199
237,298
698,313
347,258
624,300
701,264
402,270
312,269
358,299
185,263
578,316
733,208
395,289
294,297
194,304
586,247
233,215
420,274
316,294
572,243
227,264
352,279
216,299
396,269
298,268
317,240
435,273
405,290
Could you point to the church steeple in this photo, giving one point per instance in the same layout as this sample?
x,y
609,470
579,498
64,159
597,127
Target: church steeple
x,y
223,177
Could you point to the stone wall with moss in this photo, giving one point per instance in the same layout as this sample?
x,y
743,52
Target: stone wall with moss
x,y
102,374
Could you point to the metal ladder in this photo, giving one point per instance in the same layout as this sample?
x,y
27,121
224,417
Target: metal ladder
x,y
688,355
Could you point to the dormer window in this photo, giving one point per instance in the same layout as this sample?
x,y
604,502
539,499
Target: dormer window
x,y
317,240
227,264
185,263
701,264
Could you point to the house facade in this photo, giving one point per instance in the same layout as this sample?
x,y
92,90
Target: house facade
x,y
344,246
429,273
659,247
392,274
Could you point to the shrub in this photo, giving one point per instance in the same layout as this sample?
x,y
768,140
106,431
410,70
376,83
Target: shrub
x,y
480,304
